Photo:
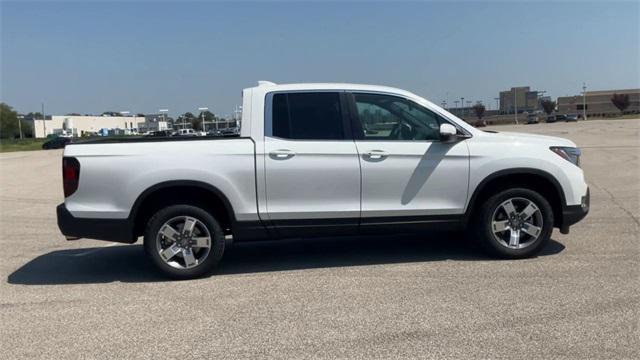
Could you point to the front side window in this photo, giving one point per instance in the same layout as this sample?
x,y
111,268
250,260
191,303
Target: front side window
x,y
386,117
307,116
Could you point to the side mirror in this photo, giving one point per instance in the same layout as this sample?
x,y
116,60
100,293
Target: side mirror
x,y
448,132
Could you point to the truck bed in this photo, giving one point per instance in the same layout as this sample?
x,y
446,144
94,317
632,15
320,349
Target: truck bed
x,y
114,172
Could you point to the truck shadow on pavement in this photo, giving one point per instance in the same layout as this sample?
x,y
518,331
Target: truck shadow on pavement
x,y
127,263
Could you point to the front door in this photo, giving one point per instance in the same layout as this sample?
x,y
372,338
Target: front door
x,y
408,175
312,171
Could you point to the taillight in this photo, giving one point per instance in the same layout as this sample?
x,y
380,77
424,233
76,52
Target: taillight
x,y
70,175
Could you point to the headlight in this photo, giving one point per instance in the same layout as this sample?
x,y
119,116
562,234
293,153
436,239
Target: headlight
x,y
570,154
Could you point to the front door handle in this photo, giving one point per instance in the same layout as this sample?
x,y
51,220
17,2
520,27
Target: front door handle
x,y
377,154
282,154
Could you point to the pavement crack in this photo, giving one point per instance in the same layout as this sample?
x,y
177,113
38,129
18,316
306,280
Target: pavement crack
x,y
615,201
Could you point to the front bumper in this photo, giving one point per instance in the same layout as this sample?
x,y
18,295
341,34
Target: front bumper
x,y
574,213
116,230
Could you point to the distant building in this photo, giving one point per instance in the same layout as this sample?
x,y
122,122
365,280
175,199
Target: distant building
x,y
522,99
152,126
155,122
83,125
599,103
469,112
462,111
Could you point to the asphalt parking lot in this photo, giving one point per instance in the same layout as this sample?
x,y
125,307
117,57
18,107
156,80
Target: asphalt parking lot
x,y
425,297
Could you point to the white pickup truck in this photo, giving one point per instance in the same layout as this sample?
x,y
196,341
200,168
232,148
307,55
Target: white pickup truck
x,y
322,160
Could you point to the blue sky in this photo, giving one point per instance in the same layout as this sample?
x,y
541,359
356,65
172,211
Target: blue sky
x,y
90,57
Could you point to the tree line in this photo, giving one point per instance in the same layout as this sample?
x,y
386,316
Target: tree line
x,y
10,124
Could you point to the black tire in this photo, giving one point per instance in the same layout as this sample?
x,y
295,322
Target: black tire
x,y
215,252
483,228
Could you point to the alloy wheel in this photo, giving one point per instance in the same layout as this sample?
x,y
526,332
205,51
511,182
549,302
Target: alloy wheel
x,y
516,223
183,242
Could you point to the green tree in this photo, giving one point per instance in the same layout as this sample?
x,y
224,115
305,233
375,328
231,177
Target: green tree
x,y
196,124
8,122
186,118
209,118
33,115
479,109
548,106
621,101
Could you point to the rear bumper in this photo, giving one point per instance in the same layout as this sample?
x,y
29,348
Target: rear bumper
x,y
116,230
573,214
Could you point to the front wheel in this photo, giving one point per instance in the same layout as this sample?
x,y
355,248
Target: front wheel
x,y
515,223
184,241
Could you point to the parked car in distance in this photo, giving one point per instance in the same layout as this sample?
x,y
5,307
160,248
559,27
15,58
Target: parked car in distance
x,y
304,166
560,117
572,117
551,119
159,133
532,119
185,132
57,142
229,132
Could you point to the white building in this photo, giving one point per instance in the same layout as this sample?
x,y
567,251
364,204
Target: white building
x,y
83,125
152,126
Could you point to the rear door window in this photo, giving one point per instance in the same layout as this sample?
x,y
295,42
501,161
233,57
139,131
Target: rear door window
x,y
307,116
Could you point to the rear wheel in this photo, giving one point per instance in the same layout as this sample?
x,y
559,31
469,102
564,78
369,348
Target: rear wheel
x,y
515,223
184,241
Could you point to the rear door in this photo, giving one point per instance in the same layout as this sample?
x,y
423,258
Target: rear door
x,y
409,176
312,171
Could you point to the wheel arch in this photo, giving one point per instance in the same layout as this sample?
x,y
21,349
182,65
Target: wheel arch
x,y
534,179
181,192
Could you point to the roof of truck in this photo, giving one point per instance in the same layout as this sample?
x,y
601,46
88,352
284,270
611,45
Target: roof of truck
x,y
331,86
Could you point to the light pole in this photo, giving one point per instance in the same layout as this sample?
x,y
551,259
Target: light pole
x,y
125,114
237,114
540,96
497,104
456,102
44,125
202,110
20,125
584,101
164,115
462,105
515,103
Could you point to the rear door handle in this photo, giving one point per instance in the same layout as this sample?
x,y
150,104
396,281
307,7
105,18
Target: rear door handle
x,y
377,154
282,154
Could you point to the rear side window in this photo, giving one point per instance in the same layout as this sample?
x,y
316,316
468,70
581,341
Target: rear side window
x,y
307,116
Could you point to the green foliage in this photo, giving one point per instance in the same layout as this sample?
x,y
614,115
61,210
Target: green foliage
x,y
9,145
33,115
209,118
9,127
479,109
196,124
548,106
621,101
